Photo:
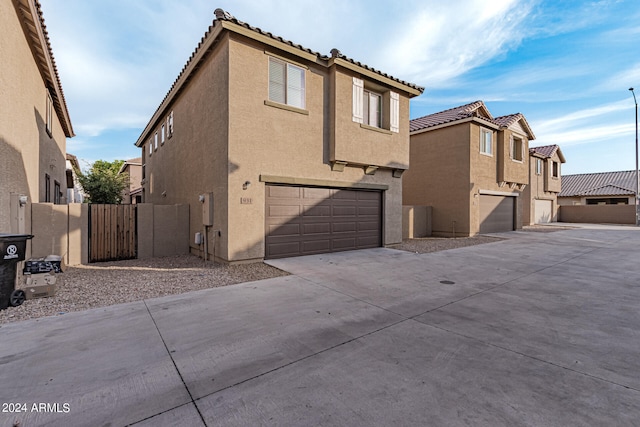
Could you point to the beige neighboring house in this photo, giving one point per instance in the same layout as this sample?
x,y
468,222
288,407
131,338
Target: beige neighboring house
x,y
133,168
604,188
471,168
277,149
34,121
545,182
75,192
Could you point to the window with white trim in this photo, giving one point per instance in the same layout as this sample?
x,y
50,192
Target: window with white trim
x,y
517,149
486,142
155,141
162,134
538,166
286,83
150,146
372,108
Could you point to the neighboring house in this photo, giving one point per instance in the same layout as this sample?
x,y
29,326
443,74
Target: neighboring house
x,y
34,120
133,168
279,150
545,183
471,168
75,193
605,188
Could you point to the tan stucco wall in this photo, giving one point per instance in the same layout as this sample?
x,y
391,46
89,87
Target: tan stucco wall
x,y
448,172
439,176
510,170
27,152
268,141
194,160
536,190
360,144
60,230
599,214
552,183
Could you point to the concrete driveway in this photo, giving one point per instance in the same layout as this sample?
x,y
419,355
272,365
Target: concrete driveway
x,y
541,329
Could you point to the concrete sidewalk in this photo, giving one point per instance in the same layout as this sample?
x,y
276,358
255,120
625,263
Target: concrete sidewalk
x,y
538,329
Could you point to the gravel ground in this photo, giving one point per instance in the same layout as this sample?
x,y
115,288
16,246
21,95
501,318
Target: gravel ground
x,y
108,283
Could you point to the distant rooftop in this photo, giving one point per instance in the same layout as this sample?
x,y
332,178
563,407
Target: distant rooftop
x,y
474,109
621,183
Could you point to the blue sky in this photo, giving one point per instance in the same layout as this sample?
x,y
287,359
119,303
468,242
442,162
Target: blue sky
x,y
566,65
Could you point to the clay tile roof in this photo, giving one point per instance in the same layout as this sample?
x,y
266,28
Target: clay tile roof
x,y
545,151
38,37
222,15
447,116
599,184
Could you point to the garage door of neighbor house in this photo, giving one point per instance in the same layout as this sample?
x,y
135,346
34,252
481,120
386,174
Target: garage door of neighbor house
x,y
312,220
496,213
542,211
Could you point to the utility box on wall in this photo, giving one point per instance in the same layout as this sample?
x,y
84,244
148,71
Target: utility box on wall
x,y
207,209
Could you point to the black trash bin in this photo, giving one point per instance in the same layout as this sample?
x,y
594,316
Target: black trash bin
x,y
13,248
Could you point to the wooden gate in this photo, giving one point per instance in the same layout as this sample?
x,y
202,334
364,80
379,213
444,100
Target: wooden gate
x,y
112,232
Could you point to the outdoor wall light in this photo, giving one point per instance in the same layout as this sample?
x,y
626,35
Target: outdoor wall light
x,y
246,185
201,198
23,200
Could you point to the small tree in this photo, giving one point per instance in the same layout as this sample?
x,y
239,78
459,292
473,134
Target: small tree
x,y
102,183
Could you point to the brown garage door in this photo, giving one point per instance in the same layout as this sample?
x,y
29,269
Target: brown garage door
x,y
309,220
496,213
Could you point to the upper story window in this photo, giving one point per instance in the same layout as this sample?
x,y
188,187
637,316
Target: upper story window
x,y
372,105
162,134
49,112
286,83
57,194
538,166
380,110
517,149
486,142
47,188
170,125
155,141
555,172
150,146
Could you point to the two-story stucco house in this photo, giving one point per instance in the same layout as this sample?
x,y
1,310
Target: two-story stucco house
x,y
545,182
34,120
279,150
471,168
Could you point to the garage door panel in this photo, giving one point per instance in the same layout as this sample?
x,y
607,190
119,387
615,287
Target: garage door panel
x,y
317,228
349,211
315,246
286,211
344,227
496,213
321,211
284,249
345,195
319,220
274,191
284,230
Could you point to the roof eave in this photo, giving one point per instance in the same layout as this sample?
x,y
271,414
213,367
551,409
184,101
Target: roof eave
x,y
480,120
411,90
32,19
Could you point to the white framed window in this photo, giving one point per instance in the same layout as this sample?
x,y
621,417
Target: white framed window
x,y
517,149
286,83
150,147
162,135
49,113
170,125
155,141
372,108
538,166
486,142
381,110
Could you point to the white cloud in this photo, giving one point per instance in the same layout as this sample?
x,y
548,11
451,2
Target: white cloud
x,y
579,118
587,134
440,42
